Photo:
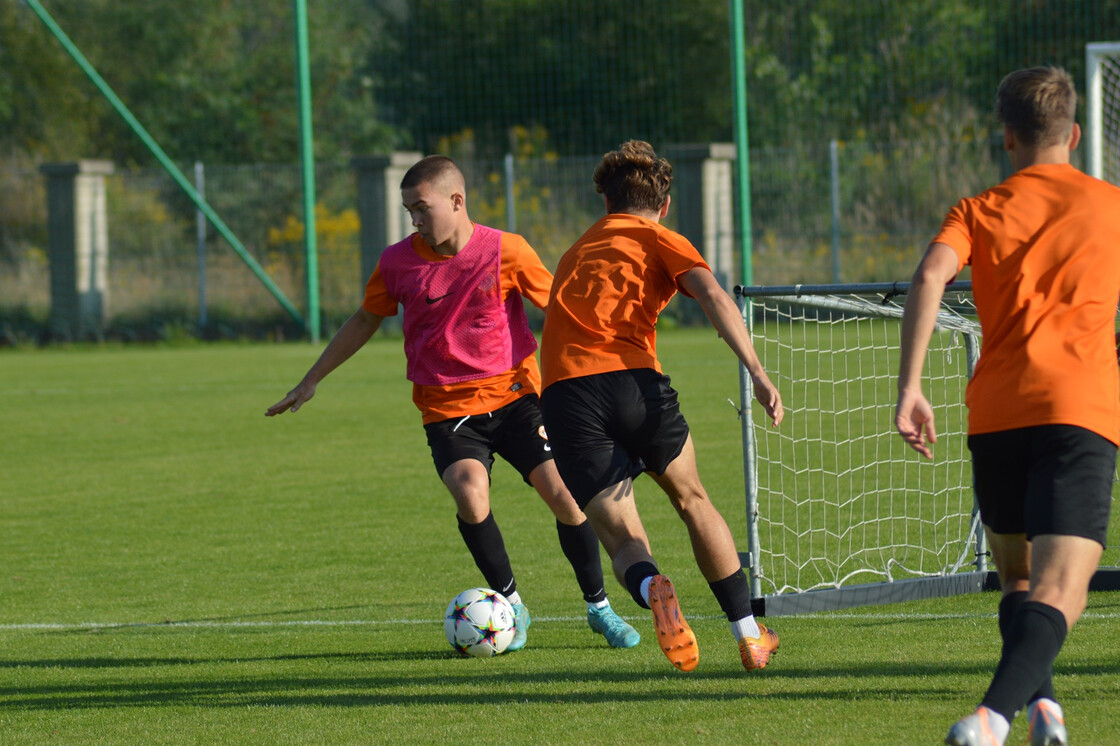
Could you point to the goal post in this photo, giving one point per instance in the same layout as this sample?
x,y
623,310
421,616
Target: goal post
x,y
1102,83
840,512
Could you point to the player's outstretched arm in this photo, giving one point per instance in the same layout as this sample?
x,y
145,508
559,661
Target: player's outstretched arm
x,y
701,284
349,339
914,416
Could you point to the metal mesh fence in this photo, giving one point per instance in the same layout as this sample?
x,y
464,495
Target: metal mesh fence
x,y
866,121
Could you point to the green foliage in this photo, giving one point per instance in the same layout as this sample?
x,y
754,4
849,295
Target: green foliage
x,y
338,254
43,97
904,88
853,70
212,81
592,73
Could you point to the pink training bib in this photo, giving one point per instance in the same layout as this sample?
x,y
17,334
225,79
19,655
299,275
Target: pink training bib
x,y
456,326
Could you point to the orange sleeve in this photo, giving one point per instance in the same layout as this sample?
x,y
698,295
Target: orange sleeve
x,y
523,271
956,234
679,256
377,299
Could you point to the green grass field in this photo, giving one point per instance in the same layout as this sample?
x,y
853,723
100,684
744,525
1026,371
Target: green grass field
x,y
177,568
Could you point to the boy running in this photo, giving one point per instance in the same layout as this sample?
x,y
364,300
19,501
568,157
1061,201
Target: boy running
x,y
1044,400
612,414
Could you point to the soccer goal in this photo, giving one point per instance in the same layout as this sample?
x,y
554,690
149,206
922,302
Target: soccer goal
x,y
840,511
1102,66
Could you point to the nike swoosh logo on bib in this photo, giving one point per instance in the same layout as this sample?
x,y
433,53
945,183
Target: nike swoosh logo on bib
x,y
430,300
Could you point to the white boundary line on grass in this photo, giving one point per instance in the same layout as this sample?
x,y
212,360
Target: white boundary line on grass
x,y
204,624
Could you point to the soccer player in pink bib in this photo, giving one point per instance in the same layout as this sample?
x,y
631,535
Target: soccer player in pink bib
x,y
471,359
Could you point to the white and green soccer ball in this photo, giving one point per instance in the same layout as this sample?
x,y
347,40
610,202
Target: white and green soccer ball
x,y
479,622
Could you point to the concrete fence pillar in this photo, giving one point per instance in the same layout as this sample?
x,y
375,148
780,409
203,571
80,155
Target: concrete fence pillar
x,y
77,247
383,220
702,202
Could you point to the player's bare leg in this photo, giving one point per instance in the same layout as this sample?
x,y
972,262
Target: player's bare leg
x,y
1061,568
712,544
716,556
614,515
1011,554
546,481
469,485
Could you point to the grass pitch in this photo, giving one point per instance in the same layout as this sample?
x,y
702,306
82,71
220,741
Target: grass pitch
x,y
176,568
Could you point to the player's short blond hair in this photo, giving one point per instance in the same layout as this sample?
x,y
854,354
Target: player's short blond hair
x,y
634,178
434,169
1038,104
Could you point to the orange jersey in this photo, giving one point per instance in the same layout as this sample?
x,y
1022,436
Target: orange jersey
x,y
608,291
1044,247
522,272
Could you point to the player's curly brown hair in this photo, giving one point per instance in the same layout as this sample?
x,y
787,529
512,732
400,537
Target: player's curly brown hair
x,y
1038,104
634,178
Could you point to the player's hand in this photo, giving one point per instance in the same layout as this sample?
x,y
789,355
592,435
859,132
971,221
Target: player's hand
x,y
767,395
914,420
294,399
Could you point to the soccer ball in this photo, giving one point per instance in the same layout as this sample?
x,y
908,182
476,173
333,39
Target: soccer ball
x,y
479,622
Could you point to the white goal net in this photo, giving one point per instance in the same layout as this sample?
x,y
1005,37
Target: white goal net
x,y
840,511
1103,111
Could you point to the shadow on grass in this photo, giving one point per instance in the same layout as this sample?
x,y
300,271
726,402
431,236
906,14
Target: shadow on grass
x,y
422,676
487,686
105,662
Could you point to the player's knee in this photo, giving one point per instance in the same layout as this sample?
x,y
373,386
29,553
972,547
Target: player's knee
x,y
692,502
471,501
1068,600
564,507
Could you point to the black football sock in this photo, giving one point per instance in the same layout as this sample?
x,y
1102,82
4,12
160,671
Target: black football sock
x,y
581,547
1008,605
484,540
1034,638
734,595
635,574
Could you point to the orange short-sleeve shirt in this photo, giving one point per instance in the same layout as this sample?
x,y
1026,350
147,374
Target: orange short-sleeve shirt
x,y
609,289
1044,247
522,272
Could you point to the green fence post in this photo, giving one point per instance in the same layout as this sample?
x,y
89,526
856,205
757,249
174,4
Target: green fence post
x,y
307,163
742,146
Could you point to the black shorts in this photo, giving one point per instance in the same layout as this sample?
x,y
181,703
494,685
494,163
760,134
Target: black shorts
x,y
1050,479
515,432
608,427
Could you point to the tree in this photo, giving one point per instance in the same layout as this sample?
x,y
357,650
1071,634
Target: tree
x,y
841,70
211,80
590,73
